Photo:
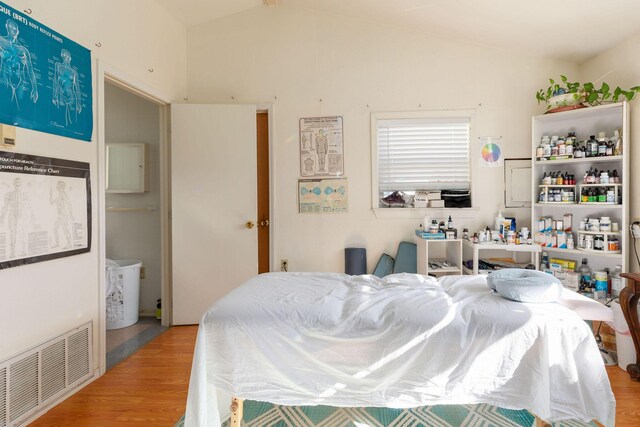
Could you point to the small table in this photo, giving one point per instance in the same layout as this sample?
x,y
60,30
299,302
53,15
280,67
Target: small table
x,y
534,249
629,297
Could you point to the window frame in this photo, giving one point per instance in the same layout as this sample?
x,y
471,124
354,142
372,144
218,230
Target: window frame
x,y
431,114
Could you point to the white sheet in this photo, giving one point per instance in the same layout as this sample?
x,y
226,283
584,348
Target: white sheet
x,y
402,341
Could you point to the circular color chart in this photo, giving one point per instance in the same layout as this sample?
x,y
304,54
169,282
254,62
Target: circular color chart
x,y
491,152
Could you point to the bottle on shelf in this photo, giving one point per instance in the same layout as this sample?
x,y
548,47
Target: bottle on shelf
x,y
585,273
617,143
592,146
602,144
617,282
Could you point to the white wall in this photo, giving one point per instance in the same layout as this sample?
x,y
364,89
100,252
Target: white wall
x,y
620,66
136,235
42,300
322,64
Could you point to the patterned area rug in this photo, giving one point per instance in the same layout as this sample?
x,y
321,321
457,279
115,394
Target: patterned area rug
x,y
259,414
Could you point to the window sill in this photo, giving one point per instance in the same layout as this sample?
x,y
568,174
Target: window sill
x,y
401,213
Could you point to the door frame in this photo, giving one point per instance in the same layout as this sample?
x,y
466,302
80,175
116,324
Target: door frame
x,y
106,73
268,108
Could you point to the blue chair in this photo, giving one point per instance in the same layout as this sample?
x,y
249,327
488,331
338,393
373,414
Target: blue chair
x,y
406,258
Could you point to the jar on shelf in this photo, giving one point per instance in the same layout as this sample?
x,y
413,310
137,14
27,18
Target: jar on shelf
x,y
588,242
614,244
598,242
605,224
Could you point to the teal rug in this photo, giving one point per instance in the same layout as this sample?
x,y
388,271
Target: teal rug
x,y
260,414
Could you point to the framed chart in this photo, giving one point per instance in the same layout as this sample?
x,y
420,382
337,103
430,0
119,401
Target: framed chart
x,y
45,209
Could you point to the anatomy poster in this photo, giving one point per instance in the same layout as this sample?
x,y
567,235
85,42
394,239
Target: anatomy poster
x,y
45,78
45,209
323,195
321,146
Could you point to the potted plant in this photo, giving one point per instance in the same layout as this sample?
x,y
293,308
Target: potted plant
x,y
566,95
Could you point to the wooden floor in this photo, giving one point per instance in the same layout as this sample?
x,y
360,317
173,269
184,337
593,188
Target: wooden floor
x,y
150,389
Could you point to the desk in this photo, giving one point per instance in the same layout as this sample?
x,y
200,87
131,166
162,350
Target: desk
x,y
534,250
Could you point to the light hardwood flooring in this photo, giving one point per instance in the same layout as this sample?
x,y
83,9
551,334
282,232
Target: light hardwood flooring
x,y
150,389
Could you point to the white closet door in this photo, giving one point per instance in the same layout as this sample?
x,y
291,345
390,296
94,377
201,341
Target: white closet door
x,y
213,169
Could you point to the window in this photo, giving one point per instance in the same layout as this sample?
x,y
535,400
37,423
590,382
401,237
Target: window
x,y
420,153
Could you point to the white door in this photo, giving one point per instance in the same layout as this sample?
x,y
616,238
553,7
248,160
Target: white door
x,y
213,169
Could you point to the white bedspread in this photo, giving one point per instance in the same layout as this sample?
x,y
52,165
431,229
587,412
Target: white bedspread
x,y
402,341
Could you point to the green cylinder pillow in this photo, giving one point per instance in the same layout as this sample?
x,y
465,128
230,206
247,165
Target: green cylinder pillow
x,y
522,285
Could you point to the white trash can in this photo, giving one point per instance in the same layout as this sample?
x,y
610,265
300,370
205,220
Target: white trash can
x,y
123,292
624,343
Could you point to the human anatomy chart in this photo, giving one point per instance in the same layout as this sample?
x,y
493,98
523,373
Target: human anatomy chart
x,y
321,146
45,78
44,209
323,195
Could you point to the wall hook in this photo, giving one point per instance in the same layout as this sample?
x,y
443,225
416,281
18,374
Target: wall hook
x,y
151,70
186,98
98,44
320,99
275,97
233,97
28,11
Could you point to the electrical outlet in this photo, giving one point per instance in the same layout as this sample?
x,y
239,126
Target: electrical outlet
x,y
635,229
284,265
142,273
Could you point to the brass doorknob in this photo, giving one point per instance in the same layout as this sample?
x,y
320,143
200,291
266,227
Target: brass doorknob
x,y
250,224
264,223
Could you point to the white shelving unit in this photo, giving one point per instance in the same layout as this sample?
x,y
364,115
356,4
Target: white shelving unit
x,y
534,250
445,250
585,122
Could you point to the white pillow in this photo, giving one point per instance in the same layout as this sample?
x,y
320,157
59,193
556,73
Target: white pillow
x,y
525,285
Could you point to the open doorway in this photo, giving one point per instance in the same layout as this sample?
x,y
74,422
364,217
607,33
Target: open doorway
x,y
133,223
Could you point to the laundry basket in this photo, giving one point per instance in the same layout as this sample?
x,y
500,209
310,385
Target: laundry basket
x,y
123,292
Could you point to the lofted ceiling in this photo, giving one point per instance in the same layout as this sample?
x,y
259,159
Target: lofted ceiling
x,y
574,30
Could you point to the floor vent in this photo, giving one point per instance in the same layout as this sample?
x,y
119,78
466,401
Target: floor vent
x,y
35,378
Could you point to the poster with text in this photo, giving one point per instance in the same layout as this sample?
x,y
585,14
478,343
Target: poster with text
x,y
45,209
323,195
321,146
45,78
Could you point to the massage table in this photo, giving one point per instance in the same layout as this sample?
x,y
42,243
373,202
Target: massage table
x,y
399,342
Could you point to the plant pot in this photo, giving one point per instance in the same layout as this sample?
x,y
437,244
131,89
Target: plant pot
x,y
565,100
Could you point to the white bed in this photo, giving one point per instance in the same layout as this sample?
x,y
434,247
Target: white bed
x,y
402,341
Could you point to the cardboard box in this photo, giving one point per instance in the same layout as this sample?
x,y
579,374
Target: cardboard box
x,y
420,199
567,264
434,195
436,203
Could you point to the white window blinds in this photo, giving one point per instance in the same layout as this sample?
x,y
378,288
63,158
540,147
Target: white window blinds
x,y
423,154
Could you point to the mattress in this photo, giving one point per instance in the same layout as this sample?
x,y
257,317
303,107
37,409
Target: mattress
x,y
401,341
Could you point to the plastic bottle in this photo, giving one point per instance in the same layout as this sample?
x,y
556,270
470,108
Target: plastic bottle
x,y
617,145
617,282
585,272
499,222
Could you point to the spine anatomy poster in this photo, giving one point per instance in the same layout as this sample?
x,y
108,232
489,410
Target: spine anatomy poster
x,y
45,209
321,146
45,78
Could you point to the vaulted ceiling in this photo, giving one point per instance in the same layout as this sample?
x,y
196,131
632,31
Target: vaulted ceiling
x,y
574,30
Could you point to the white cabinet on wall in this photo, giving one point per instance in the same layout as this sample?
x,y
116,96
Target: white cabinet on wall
x,y
127,168
584,122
